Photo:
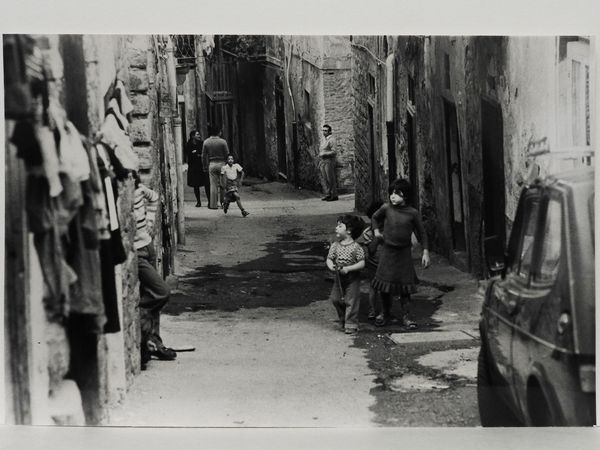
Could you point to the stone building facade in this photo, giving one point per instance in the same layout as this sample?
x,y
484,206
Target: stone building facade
x,y
82,71
317,88
467,116
272,94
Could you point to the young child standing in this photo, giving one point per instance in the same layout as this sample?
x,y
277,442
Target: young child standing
x,y
372,248
233,175
395,273
346,258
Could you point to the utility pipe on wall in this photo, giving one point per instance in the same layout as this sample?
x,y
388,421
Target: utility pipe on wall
x,y
389,99
389,118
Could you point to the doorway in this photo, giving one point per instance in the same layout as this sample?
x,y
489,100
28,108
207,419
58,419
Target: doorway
x,y
280,119
409,127
455,182
492,148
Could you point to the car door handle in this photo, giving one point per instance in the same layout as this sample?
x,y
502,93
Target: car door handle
x,y
512,306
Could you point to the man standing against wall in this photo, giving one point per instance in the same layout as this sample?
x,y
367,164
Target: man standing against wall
x,y
327,164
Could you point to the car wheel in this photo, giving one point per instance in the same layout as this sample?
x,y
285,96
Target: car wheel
x,y
540,413
493,412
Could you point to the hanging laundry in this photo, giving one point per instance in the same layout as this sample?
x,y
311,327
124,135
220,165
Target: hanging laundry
x,y
87,212
28,147
58,276
18,97
45,138
103,220
73,157
86,292
97,193
119,142
67,204
124,102
114,109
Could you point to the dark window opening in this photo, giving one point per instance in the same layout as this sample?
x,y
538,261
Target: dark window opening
x,y
372,86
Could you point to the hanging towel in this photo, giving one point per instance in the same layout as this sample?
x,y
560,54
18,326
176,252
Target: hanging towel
x,y
73,157
86,292
113,107
126,105
118,141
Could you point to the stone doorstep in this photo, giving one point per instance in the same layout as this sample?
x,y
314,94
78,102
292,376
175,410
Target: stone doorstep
x,y
431,336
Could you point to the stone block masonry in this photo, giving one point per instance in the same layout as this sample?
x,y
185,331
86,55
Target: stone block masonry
x,y
337,88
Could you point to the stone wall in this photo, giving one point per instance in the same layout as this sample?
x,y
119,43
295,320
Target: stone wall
x,y
271,75
316,91
518,74
368,87
305,82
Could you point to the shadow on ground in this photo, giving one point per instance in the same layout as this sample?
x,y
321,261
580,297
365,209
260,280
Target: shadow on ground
x,y
291,274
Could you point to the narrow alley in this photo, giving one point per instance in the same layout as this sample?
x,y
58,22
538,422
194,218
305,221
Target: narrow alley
x,y
251,297
132,299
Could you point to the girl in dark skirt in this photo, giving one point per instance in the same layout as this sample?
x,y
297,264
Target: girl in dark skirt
x,y
196,176
395,272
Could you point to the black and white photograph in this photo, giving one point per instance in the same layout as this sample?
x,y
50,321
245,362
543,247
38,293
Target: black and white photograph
x,y
316,231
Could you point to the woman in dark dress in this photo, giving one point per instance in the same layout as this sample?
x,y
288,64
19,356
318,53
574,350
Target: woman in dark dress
x,y
196,176
394,223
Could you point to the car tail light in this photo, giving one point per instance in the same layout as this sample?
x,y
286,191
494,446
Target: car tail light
x,y
587,377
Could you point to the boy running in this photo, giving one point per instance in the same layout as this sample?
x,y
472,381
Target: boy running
x,y
233,175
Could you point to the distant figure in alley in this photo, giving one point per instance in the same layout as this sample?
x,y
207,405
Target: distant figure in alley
x,y
327,164
197,173
214,156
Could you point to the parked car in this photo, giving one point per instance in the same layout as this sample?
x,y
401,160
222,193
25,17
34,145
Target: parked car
x,y
537,360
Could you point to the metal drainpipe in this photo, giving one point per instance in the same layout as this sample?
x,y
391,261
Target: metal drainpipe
x,y
176,124
389,110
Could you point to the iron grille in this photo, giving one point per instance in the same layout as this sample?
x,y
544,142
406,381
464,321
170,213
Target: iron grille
x,y
185,47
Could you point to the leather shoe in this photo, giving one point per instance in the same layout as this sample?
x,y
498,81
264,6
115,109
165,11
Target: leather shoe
x,y
157,349
331,199
325,199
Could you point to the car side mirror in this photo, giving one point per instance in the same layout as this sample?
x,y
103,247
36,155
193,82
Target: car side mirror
x,y
497,267
494,256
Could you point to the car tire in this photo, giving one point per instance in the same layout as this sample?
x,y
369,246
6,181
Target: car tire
x,y
539,411
493,412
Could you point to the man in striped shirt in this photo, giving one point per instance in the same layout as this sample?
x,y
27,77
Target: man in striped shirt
x,y
154,292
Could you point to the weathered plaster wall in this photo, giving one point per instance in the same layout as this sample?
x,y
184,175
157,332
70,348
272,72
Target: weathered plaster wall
x,y
270,80
530,106
366,64
305,82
